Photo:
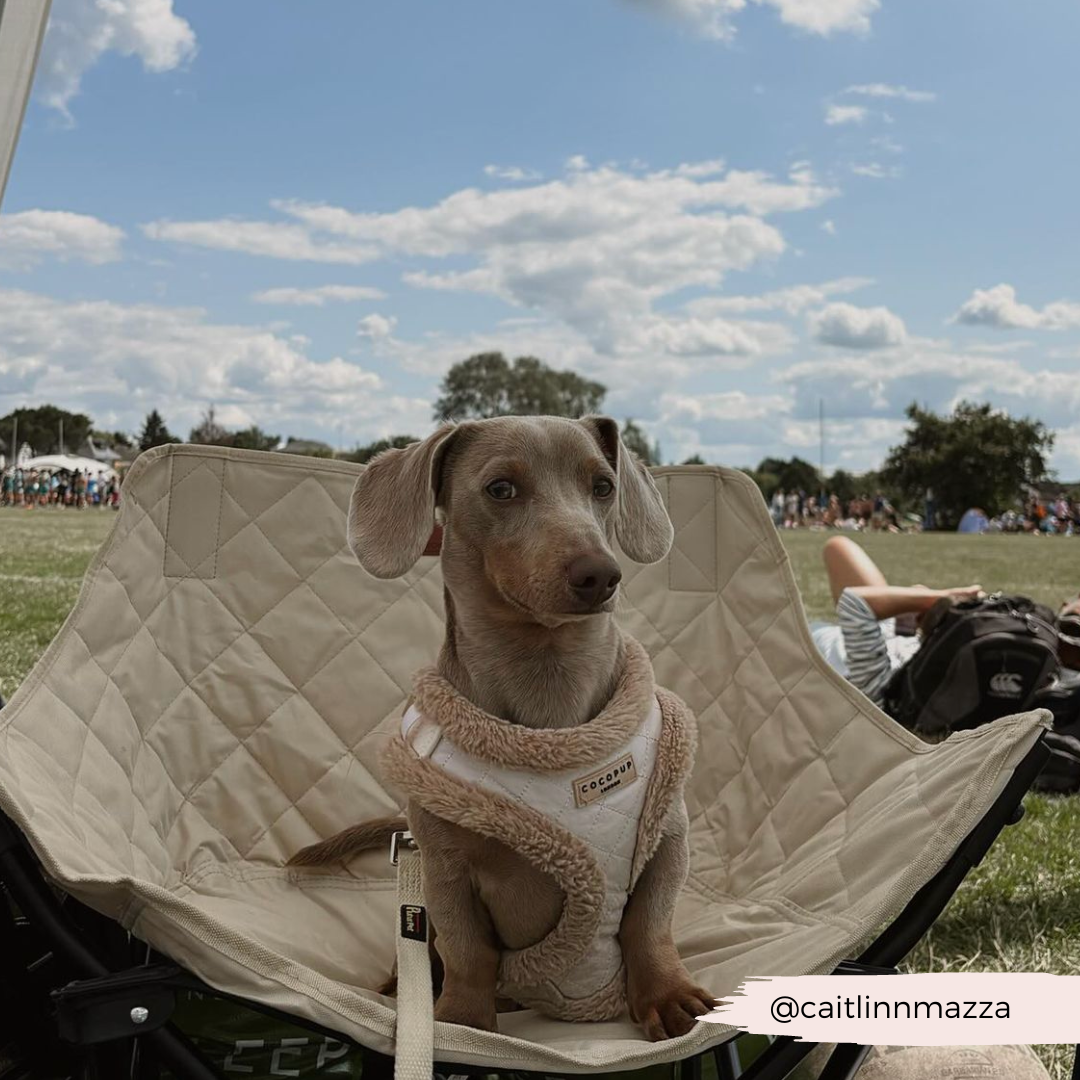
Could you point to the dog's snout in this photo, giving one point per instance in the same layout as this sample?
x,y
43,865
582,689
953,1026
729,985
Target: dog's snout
x,y
594,578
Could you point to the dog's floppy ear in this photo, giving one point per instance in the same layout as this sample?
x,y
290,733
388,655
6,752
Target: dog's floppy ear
x,y
642,525
392,513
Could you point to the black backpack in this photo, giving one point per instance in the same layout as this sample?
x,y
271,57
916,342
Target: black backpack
x,y
979,660
1061,774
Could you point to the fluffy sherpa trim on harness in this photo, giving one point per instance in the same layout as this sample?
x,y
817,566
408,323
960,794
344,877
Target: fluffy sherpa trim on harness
x,y
553,850
552,749
674,760
529,974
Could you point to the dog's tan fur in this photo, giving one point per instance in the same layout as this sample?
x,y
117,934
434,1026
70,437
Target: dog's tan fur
x,y
521,644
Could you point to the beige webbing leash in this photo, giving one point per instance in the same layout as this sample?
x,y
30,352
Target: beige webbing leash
x,y
414,1037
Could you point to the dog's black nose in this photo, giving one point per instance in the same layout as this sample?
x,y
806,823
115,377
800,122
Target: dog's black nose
x,y
593,578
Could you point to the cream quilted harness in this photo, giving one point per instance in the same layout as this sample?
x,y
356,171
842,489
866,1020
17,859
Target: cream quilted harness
x,y
586,804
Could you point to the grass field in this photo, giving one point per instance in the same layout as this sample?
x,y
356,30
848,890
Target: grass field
x,y
1019,911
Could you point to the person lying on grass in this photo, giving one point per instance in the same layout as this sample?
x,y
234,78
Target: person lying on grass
x,y
863,644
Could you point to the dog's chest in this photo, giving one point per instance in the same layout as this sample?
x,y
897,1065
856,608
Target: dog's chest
x,y
599,803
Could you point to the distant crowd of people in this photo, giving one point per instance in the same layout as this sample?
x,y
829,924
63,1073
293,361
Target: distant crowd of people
x,y
1059,516
798,510
33,488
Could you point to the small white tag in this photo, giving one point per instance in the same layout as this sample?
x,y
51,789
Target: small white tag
x,y
587,789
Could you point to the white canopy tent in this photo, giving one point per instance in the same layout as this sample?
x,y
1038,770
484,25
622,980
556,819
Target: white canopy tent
x,y
22,26
69,463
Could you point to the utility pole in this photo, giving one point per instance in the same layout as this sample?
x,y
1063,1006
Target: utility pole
x,y
821,435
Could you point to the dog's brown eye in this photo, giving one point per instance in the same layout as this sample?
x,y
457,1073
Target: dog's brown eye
x,y
603,488
501,490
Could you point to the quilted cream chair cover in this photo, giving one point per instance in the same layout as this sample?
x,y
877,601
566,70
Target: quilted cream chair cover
x,y
218,697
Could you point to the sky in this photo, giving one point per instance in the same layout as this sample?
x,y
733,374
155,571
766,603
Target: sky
x,y
732,213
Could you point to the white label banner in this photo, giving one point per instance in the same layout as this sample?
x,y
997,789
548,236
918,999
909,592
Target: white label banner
x,y
947,1009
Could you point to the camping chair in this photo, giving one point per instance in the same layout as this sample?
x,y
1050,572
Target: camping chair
x,y
217,700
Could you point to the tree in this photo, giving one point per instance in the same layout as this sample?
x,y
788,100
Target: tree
x,y
209,431
112,439
488,385
696,459
363,454
154,432
768,482
793,475
39,428
976,457
635,439
845,486
254,438
538,390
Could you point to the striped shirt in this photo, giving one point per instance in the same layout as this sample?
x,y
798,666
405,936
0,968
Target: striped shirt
x,y
863,649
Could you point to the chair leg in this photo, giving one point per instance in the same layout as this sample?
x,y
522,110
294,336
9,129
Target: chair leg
x,y
690,1069
778,1060
728,1064
844,1062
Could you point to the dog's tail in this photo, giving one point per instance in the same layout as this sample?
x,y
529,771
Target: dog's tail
x,y
349,842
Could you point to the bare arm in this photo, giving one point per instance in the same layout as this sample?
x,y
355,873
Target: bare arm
x,y
888,601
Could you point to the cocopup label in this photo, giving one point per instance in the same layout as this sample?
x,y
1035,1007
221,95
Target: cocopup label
x,y
587,789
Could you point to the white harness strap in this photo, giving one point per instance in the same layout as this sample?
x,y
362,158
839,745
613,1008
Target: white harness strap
x,y
414,1036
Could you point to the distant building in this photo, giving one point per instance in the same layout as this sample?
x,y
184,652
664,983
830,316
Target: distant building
x,y
99,452
307,448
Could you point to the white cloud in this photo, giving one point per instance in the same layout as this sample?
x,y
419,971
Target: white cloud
x,y
855,445
118,361
846,114
884,90
791,300
829,227
705,338
29,236
729,426
999,308
376,327
1067,452
851,327
887,144
698,169
716,18
514,173
876,171
864,397
80,32
274,239
937,375
724,406
826,17
595,249
319,296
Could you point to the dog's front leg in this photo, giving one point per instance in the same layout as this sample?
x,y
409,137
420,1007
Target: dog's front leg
x,y
660,993
466,939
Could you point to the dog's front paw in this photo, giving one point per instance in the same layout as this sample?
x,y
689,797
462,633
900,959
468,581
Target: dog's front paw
x,y
670,1007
